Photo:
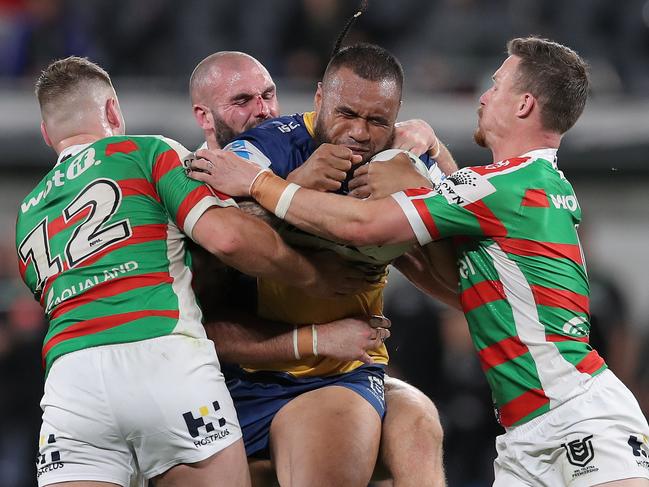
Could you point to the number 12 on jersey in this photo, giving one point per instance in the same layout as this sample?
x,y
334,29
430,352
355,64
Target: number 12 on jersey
x,y
103,198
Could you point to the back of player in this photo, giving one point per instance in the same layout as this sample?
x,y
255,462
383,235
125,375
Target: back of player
x,y
101,245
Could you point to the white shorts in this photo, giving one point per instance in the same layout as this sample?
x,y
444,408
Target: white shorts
x,y
149,405
599,436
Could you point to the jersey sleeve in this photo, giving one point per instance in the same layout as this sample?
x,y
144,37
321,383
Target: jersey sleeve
x,y
184,199
462,204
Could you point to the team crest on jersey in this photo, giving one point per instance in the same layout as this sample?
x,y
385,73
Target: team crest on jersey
x,y
464,187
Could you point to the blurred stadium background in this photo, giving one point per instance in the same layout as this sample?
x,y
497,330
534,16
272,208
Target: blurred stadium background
x,y
449,49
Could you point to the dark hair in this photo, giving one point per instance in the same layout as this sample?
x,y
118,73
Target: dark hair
x,y
556,76
61,76
368,61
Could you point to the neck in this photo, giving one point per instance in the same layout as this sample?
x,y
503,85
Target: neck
x,y
63,144
210,138
522,143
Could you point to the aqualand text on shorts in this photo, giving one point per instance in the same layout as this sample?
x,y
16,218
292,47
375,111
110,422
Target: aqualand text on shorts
x,y
598,436
149,405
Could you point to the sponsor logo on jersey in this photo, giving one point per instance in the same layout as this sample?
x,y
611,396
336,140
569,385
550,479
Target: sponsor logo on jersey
x,y
464,187
566,202
577,327
77,165
195,424
48,462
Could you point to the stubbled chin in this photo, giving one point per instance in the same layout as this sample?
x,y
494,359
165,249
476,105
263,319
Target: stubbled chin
x,y
479,137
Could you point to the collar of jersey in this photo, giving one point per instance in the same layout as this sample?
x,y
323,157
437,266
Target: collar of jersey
x,y
548,154
70,151
309,120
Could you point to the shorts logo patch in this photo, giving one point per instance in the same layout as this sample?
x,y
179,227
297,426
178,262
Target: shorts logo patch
x,y
580,452
43,463
638,444
193,424
376,387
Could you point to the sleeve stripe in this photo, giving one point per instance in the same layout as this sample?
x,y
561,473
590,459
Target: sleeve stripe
x,y
414,218
165,163
196,212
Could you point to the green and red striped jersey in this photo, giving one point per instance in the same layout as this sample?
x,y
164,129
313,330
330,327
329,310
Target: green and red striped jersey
x,y
101,244
523,283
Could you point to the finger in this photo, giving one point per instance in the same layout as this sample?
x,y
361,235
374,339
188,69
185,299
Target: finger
x,y
335,174
362,169
361,193
201,165
356,159
358,180
207,154
366,359
379,321
199,176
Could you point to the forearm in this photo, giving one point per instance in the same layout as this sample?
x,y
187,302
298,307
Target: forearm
x,y
252,246
339,218
438,281
244,338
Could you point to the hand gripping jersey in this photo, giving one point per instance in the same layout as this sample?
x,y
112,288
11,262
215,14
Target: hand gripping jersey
x,y
284,144
523,282
100,244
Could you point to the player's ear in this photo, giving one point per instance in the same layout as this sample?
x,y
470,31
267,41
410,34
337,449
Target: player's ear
x,y
525,105
46,136
114,115
317,99
203,117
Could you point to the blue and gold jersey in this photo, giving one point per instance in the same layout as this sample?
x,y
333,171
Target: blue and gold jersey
x,y
283,144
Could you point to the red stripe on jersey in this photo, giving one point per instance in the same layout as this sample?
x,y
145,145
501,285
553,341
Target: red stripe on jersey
x,y
97,325
536,198
189,202
531,248
501,352
109,288
552,337
481,293
138,187
560,298
141,234
165,162
590,363
59,223
518,408
497,167
417,191
426,217
121,148
489,223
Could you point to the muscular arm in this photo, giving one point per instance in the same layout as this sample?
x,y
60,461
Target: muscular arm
x,y
252,247
432,269
241,337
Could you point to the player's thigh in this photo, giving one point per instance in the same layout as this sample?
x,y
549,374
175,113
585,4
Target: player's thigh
x,y
262,473
227,468
328,436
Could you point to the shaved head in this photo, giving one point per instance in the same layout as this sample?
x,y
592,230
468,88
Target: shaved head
x,y
231,92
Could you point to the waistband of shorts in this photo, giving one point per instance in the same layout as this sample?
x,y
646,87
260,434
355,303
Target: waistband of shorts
x,y
525,428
